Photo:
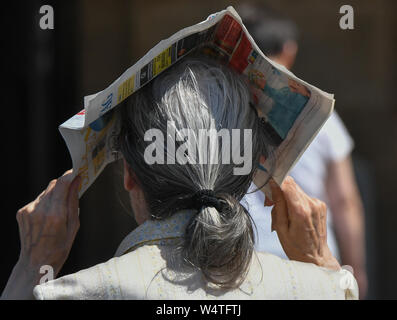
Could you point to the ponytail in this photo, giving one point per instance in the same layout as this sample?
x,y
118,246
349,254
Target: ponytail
x,y
219,241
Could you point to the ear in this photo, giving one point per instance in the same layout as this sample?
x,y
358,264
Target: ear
x,y
129,181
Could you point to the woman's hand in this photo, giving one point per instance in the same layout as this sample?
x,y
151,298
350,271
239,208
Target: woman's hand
x,y
301,224
48,225
47,229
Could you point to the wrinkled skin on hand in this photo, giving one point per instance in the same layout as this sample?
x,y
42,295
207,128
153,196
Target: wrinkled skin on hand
x,y
49,224
301,224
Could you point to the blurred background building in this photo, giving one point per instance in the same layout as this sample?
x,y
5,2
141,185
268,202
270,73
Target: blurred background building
x,y
49,71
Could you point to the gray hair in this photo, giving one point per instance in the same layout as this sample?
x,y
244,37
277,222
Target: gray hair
x,y
197,93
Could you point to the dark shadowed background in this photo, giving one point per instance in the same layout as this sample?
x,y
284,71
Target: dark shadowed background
x,y
49,71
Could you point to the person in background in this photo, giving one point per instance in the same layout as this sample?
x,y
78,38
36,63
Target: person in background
x,y
324,171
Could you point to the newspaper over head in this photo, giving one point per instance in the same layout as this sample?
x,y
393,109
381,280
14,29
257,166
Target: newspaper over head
x,y
293,110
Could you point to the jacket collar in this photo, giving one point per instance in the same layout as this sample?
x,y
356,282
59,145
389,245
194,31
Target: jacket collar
x,y
156,231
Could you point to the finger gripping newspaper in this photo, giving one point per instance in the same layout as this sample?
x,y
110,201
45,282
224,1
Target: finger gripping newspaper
x,y
292,110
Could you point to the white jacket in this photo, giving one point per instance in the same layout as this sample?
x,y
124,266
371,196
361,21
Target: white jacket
x,y
146,267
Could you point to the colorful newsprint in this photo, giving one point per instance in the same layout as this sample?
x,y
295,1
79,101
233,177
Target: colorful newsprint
x,y
293,111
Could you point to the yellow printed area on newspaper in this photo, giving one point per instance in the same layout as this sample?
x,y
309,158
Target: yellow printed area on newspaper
x,y
126,89
162,61
95,148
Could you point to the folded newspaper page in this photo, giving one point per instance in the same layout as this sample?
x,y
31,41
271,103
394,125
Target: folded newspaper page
x,y
293,110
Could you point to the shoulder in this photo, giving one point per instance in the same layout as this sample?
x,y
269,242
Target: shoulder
x,y
123,277
334,139
299,280
135,275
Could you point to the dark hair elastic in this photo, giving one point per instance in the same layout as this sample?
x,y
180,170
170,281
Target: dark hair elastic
x,y
207,198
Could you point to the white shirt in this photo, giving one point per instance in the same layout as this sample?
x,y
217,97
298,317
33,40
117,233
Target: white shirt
x,y
146,266
333,143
